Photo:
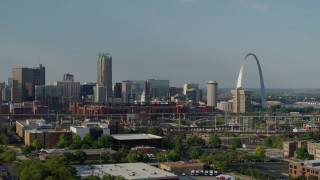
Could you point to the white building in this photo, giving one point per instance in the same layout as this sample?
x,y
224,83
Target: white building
x,y
93,130
126,170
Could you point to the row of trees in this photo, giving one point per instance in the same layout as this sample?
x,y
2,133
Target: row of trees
x,y
6,154
284,109
53,168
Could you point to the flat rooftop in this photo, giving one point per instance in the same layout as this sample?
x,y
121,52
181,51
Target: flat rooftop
x,y
135,136
87,151
183,164
126,170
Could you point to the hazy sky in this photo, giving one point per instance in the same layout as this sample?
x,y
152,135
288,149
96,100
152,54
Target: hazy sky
x,y
185,41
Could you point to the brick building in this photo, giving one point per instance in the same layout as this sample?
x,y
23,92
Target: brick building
x,y
32,129
48,138
306,168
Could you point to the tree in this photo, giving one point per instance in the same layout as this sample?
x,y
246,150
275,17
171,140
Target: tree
x,y
302,153
27,150
75,142
8,156
193,153
37,144
214,140
106,156
31,169
155,130
236,143
88,139
105,140
69,156
81,156
178,146
91,177
63,142
4,139
195,140
12,128
260,152
132,157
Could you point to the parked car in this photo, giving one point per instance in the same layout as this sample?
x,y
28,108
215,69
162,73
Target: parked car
x,y
206,173
216,172
192,172
211,173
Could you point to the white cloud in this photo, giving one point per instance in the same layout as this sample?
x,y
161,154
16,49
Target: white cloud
x,y
254,5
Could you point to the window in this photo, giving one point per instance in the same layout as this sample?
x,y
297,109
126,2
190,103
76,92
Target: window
x,y
290,166
303,169
295,167
317,172
308,170
295,172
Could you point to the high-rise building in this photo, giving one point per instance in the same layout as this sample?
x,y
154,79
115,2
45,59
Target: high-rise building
x,y
24,81
86,92
241,100
48,93
212,93
68,77
189,86
70,90
100,94
158,88
126,91
117,90
104,72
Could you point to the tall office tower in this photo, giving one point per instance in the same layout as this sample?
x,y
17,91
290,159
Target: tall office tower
x,y
189,86
6,90
68,77
86,92
137,88
70,90
241,100
48,93
6,93
175,91
117,90
100,94
24,81
126,92
158,88
212,93
104,72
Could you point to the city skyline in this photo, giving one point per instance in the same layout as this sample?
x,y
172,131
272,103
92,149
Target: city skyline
x,y
184,41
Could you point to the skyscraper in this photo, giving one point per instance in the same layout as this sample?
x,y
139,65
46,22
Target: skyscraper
x,y
104,72
241,100
158,88
126,91
212,93
24,81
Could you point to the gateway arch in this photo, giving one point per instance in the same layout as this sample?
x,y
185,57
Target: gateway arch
x,y
263,94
